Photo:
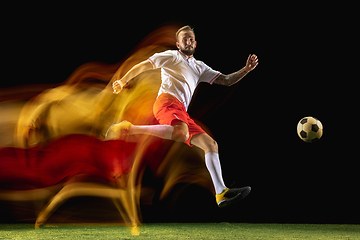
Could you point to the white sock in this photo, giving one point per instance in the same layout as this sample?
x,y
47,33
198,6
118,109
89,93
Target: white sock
x,y
212,162
161,131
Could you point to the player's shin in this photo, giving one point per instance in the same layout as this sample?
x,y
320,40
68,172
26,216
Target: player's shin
x,y
212,162
161,131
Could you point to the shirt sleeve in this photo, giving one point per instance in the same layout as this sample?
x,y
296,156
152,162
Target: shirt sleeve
x,y
209,75
159,60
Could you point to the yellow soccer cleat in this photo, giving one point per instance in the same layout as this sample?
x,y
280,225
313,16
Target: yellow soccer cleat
x,y
229,196
119,131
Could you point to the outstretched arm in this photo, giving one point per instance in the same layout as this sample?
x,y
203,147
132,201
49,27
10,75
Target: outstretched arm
x,y
132,73
235,77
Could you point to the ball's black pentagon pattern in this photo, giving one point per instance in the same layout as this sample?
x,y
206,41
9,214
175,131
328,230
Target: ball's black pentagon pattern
x,y
303,134
309,129
315,128
303,121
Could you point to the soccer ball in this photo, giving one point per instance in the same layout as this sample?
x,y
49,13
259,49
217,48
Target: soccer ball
x,y
310,129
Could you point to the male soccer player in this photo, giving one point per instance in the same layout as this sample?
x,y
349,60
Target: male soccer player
x,y
180,75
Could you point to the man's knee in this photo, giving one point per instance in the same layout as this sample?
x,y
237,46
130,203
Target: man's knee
x,y
205,142
180,133
212,145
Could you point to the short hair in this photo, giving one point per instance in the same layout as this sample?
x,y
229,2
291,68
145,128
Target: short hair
x,y
184,28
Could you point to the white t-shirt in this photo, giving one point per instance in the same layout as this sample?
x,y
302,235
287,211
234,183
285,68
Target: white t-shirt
x,y
180,74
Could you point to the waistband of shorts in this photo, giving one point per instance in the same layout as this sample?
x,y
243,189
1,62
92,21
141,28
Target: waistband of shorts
x,y
171,98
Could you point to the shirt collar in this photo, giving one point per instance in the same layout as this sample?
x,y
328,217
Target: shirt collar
x,y
186,56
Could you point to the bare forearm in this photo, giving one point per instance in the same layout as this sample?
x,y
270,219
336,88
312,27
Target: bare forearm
x,y
118,84
235,77
135,71
231,79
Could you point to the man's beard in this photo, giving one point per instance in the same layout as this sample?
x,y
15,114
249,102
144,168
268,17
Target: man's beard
x,y
188,51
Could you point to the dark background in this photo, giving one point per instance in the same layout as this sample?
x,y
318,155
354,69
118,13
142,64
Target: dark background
x,y
301,72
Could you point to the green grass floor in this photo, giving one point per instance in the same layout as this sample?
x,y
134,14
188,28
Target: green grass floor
x,y
182,231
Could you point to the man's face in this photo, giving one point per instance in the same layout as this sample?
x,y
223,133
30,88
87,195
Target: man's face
x,y
186,42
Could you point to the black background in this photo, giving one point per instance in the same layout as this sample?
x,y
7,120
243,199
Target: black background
x,y
301,72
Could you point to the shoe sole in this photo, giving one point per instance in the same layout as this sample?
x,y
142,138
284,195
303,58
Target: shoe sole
x,y
237,198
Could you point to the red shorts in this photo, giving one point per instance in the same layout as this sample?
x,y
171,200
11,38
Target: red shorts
x,y
168,109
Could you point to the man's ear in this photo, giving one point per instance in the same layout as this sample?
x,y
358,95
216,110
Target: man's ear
x,y
178,45
195,44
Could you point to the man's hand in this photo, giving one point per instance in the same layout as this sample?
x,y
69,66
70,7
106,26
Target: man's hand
x,y
117,87
251,63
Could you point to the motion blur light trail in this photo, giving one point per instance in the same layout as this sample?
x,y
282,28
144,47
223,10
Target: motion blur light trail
x,y
53,144
85,104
